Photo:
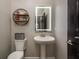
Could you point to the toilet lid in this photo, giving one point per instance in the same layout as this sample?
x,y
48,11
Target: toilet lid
x,y
16,55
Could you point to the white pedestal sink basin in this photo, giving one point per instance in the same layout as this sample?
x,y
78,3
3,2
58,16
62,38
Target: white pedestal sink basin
x,y
43,41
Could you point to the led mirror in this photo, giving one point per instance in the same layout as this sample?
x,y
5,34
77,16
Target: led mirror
x,y
43,18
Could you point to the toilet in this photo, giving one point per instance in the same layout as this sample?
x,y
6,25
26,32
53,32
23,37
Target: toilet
x,y
16,55
19,44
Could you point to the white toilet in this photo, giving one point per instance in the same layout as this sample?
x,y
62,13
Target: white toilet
x,y
18,54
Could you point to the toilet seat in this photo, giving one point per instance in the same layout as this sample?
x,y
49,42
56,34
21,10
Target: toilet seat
x,y
16,55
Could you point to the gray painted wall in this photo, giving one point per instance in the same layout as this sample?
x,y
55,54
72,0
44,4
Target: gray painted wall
x,y
29,29
61,29
60,14
4,29
33,50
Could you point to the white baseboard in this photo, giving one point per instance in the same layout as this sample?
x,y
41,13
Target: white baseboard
x,y
38,57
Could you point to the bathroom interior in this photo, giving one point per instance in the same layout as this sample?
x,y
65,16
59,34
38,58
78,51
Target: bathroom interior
x,y
39,29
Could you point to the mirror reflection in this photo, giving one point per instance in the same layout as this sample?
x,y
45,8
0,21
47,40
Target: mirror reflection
x,y
43,18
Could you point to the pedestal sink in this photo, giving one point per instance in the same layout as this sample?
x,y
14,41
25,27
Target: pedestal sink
x,y
43,41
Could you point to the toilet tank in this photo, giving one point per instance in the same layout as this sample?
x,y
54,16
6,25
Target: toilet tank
x,y
19,44
19,41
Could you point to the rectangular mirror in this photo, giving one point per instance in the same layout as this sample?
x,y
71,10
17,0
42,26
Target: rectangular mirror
x,y
43,18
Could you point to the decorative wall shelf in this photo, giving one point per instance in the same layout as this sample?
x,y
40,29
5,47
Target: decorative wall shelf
x,y
21,16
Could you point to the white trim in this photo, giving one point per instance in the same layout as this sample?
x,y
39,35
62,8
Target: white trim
x,y
38,57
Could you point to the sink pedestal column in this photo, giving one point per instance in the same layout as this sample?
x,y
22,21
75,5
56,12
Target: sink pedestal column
x,y
43,51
